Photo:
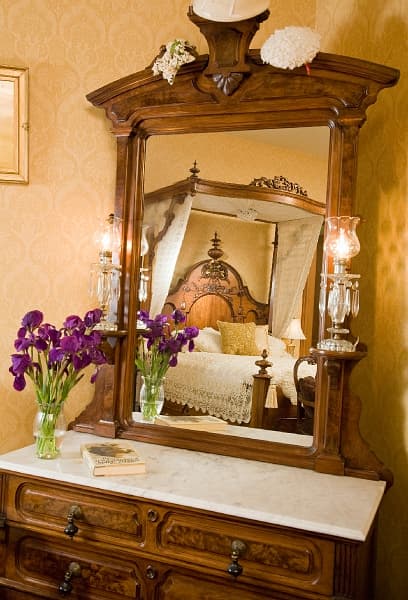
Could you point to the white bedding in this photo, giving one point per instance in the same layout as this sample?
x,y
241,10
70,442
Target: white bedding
x,y
221,384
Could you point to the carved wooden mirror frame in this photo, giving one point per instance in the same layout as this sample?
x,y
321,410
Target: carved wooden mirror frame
x,y
232,89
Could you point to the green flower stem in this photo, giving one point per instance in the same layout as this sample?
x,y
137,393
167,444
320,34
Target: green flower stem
x,y
152,390
47,442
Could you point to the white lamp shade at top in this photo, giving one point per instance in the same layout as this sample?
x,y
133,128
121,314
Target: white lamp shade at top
x,y
294,331
229,10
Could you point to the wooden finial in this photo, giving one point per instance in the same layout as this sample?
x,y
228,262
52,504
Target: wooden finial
x,y
194,170
263,364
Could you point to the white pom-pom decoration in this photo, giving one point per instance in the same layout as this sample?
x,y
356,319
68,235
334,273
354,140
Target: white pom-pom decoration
x,y
291,47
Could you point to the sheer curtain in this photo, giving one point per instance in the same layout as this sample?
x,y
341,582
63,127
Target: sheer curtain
x,y
297,241
167,252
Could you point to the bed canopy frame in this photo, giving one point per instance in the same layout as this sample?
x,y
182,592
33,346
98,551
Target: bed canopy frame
x,y
279,201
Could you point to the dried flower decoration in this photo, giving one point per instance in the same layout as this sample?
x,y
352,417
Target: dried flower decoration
x,y
291,47
177,53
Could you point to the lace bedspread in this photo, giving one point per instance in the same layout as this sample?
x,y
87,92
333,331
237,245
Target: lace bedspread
x,y
221,384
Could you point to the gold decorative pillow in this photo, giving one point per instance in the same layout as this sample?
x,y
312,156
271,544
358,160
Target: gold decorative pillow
x,y
238,338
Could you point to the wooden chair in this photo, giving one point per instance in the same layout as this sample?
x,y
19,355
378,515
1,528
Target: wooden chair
x,y
305,389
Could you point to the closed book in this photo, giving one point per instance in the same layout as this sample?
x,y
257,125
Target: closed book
x,y
201,423
112,458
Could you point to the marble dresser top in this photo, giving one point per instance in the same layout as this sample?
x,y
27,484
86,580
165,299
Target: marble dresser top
x,y
329,504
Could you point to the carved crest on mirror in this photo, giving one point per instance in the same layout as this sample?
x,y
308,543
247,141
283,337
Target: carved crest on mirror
x,y
230,90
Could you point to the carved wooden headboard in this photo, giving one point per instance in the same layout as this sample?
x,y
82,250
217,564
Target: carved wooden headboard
x,y
213,290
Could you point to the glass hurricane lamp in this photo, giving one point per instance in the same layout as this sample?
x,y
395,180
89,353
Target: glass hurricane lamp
x,y
339,289
105,274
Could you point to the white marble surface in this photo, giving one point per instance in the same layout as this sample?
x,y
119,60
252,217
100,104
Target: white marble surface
x,y
299,498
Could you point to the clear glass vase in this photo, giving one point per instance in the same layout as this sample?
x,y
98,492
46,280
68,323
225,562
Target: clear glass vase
x,y
49,428
151,398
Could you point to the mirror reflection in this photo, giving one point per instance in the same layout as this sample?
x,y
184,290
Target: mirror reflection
x,y
232,241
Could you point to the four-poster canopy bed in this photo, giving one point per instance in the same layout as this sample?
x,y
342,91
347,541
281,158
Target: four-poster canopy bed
x,y
216,379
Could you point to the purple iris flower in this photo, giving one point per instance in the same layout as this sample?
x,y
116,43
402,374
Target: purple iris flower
x,y
95,338
40,344
22,344
164,341
61,353
97,356
32,319
49,332
93,317
178,316
56,355
174,345
160,319
19,383
72,322
156,330
191,332
70,343
173,360
80,361
20,363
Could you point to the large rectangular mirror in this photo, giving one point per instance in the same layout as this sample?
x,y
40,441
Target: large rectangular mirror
x,y
270,244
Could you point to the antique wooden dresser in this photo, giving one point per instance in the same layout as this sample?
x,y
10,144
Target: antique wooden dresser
x,y
196,526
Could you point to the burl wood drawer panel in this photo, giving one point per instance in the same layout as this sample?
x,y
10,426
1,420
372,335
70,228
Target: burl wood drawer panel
x,y
108,518
37,562
292,560
182,586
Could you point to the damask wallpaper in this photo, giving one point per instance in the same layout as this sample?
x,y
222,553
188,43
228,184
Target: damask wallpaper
x,y
46,227
378,31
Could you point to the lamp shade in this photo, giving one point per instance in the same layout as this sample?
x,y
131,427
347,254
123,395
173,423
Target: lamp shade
x,y
341,240
294,331
229,10
107,237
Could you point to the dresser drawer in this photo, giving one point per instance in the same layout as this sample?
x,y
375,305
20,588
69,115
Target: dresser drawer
x,y
270,555
112,519
39,563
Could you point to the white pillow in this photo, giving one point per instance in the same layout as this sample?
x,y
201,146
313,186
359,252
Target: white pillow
x,y
276,346
208,340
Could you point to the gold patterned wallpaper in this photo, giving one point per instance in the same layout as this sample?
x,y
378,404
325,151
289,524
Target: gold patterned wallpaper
x,y
378,31
72,47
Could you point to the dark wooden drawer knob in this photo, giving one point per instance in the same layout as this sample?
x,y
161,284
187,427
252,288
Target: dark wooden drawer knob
x,y
238,548
152,515
151,572
74,512
74,570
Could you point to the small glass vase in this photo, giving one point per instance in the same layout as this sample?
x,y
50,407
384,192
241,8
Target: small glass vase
x,y
151,398
49,428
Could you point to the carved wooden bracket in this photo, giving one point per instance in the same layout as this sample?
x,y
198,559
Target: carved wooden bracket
x,y
228,45
343,449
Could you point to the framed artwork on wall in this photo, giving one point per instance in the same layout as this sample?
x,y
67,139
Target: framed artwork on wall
x,y
13,125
